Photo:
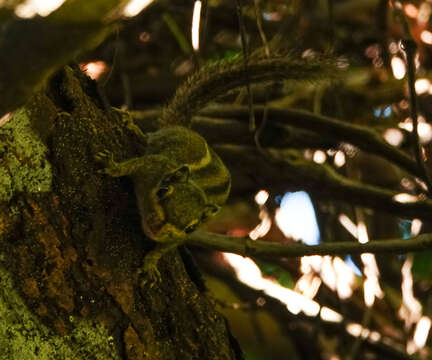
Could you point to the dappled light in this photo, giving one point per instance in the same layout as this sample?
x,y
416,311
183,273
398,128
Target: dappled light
x,y
31,8
227,179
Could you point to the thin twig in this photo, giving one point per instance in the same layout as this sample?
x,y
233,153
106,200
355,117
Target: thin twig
x,y
260,28
245,63
288,169
247,247
361,136
409,46
259,131
178,34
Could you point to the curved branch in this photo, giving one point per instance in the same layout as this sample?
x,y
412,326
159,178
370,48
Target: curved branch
x,y
288,169
247,247
361,136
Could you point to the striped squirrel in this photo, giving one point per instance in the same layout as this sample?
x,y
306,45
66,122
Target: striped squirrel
x,y
179,182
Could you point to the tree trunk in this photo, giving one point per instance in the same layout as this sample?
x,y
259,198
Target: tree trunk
x,y
71,245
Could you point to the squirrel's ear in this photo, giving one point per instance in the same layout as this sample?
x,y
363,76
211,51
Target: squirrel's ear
x,y
177,176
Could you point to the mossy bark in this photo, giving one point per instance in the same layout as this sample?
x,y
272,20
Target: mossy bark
x,y
70,249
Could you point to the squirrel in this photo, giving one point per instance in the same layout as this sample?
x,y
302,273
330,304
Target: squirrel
x,y
180,181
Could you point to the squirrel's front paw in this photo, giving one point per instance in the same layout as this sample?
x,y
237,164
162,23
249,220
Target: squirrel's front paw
x,y
149,272
107,159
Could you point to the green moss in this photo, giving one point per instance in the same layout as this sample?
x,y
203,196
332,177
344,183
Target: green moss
x,y
24,337
23,158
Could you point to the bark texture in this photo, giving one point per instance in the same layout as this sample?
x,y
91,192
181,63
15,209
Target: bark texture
x,y
71,245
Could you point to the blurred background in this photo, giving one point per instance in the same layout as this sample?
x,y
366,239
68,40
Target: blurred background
x,y
315,307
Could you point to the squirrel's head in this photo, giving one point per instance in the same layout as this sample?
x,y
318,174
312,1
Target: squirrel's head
x,y
175,207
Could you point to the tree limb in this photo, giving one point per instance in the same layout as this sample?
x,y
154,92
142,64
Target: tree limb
x,y
361,136
53,41
288,169
247,247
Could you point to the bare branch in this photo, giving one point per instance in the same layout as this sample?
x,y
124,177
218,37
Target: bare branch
x,y
361,136
247,247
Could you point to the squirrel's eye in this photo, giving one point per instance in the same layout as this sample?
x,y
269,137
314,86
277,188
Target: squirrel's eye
x,y
164,192
191,228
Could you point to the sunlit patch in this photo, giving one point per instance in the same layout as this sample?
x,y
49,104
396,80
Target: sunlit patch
x,y
196,20
374,336
398,67
422,86
94,69
411,309
396,4
416,226
5,118
339,159
421,332
354,329
371,286
296,218
424,13
411,10
424,129
347,223
250,274
362,235
426,37
406,124
261,197
134,7
308,285
319,157
345,278
266,222
263,227
328,273
358,330
31,8
393,136
425,132
406,198
330,315
311,264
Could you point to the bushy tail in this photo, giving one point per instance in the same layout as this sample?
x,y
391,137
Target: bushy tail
x,y
218,78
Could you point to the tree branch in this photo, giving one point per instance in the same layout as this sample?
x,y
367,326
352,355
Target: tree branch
x,y
223,130
288,169
247,247
360,136
52,41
